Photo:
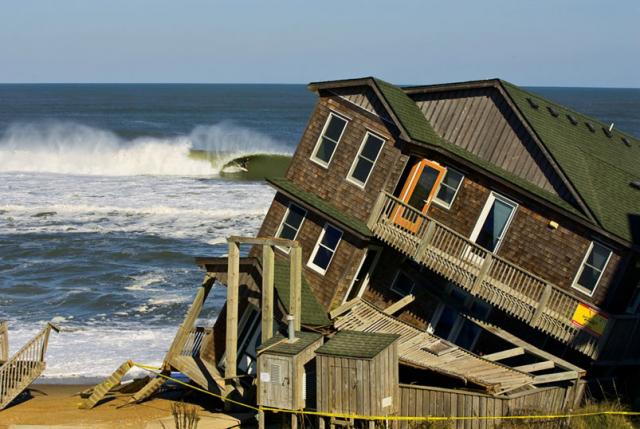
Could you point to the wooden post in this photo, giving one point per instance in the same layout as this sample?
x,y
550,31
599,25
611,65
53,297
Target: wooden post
x,y
376,211
295,287
4,341
426,241
294,421
544,300
267,292
261,423
477,284
233,285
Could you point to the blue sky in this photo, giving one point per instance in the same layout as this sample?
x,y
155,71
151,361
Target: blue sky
x,y
554,43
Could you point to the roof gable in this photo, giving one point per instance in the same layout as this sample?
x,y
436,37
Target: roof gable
x,y
480,121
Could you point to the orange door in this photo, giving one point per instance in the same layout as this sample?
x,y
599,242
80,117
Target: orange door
x,y
418,191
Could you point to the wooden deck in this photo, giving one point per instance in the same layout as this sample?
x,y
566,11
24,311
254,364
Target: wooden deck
x,y
23,368
503,284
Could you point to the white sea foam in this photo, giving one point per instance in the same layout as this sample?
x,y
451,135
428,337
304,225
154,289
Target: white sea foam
x,y
70,148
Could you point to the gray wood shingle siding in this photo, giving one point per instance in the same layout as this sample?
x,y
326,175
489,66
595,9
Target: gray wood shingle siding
x,y
363,97
331,183
480,122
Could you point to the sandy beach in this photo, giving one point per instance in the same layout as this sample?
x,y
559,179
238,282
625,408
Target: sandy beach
x,y
56,406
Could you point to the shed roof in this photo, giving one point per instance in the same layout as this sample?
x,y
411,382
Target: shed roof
x,y
280,345
356,344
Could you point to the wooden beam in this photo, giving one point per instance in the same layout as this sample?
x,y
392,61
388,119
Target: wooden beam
x,y
267,292
338,311
510,338
538,366
233,285
505,354
398,305
542,304
189,319
295,287
265,241
558,376
4,341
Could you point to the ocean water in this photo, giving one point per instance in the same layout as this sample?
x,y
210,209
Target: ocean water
x,y
102,208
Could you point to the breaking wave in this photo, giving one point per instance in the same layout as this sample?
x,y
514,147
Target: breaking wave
x,y
71,148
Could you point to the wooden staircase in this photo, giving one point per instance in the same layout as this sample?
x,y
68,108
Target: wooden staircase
x,y
23,368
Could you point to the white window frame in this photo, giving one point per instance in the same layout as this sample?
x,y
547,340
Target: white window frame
x,y
442,203
583,289
367,276
352,179
286,213
395,279
483,217
314,158
310,263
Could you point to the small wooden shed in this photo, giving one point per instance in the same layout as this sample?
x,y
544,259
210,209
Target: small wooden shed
x,y
281,370
357,372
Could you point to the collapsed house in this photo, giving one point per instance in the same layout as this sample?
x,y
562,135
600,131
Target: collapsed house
x,y
468,249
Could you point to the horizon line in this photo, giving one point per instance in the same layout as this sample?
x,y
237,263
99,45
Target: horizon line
x,y
283,84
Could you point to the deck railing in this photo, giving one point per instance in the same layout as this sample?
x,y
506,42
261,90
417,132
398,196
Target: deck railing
x,y
194,341
17,373
482,273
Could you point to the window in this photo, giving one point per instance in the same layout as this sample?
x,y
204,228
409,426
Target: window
x,y
366,159
329,139
291,223
591,269
448,188
402,284
325,249
493,222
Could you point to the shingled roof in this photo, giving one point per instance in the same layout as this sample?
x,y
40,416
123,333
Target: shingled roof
x,y
599,164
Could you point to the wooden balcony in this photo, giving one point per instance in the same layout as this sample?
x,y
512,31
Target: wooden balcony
x,y
482,273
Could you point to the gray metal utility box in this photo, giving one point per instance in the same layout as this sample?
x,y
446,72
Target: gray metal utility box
x,y
357,372
281,370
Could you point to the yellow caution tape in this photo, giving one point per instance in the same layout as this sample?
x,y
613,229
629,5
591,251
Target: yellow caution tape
x,y
390,418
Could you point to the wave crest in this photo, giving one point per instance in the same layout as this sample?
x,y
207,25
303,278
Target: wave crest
x,y
71,148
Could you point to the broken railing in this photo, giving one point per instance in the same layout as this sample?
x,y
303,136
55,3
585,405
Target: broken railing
x,y
479,271
17,373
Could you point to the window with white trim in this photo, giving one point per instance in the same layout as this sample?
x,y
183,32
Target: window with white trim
x,y
403,284
329,139
592,267
365,161
449,188
325,248
291,223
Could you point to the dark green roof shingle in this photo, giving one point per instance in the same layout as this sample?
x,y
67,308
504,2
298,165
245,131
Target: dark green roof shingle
x,y
312,312
356,344
280,345
600,167
319,204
